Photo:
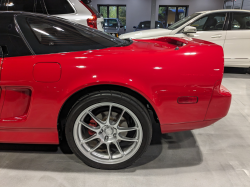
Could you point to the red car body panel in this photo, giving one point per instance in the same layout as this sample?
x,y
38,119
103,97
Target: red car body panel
x,y
161,70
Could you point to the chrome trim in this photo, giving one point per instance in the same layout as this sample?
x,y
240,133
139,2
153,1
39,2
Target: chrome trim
x,y
21,34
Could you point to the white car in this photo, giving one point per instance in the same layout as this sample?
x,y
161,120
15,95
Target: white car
x,y
227,28
80,11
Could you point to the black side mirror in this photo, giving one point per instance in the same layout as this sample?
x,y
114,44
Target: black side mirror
x,y
134,27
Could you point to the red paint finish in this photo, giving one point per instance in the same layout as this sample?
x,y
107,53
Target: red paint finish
x,y
156,69
30,136
16,103
186,126
221,99
47,72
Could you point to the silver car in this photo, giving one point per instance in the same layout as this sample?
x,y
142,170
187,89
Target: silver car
x,y
113,26
80,11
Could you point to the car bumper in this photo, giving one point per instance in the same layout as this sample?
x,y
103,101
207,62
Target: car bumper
x,y
218,108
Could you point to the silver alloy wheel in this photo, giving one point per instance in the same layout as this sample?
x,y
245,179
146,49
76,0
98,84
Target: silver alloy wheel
x,y
109,132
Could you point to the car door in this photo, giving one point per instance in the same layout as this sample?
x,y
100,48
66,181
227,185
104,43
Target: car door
x,y
237,43
210,27
15,95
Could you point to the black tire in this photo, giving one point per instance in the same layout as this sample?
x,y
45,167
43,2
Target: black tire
x,y
116,97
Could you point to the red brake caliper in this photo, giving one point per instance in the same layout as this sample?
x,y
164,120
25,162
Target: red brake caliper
x,y
93,124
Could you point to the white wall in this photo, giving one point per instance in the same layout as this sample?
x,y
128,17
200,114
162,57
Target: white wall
x,y
140,10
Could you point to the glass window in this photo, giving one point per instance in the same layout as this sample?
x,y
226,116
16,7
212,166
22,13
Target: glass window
x,y
147,25
122,14
240,21
58,7
10,38
111,23
104,11
171,15
234,4
162,15
3,5
48,36
168,15
183,21
113,12
210,22
21,5
182,11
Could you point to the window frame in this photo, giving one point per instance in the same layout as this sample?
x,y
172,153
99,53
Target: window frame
x,y
57,19
117,10
176,10
231,20
225,25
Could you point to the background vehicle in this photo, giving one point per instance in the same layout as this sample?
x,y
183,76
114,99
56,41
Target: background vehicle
x,y
145,25
80,11
61,81
227,28
113,26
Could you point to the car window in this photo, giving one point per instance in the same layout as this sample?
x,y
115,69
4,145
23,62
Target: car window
x,y
58,7
183,21
21,5
10,38
240,21
111,23
210,22
49,36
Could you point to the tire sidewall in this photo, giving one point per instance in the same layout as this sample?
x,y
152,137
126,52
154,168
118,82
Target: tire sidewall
x,y
132,105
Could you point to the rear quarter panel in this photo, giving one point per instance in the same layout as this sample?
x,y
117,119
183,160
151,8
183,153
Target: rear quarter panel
x,y
154,69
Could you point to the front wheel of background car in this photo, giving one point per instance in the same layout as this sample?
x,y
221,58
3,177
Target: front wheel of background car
x,y
108,130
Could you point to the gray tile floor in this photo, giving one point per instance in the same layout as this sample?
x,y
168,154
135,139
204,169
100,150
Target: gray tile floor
x,y
215,156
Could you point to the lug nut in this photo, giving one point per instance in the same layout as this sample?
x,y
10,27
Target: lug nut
x,y
101,131
106,138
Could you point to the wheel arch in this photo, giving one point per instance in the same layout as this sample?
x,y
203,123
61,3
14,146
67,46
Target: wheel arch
x,y
74,98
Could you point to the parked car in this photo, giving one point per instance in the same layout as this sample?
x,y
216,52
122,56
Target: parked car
x,y
145,25
60,81
113,26
227,28
80,11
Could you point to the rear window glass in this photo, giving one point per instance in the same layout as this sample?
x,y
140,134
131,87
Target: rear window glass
x,y
9,37
20,5
111,23
58,7
48,36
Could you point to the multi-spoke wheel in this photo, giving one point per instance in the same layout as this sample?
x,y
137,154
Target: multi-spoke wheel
x,y
108,131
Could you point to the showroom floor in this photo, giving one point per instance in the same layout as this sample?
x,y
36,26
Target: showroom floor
x,y
218,155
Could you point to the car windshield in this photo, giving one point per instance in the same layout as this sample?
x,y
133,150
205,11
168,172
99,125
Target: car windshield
x,y
111,23
183,21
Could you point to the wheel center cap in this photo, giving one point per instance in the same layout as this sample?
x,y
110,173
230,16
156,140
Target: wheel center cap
x,y
108,131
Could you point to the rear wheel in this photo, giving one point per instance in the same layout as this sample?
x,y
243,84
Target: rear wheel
x,y
108,130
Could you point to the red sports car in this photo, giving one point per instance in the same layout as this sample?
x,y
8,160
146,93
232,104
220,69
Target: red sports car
x,y
61,81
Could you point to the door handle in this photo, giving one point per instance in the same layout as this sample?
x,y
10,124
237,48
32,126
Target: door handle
x,y
216,36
